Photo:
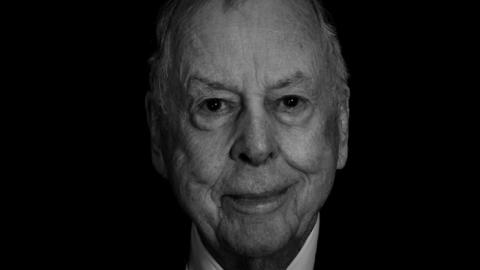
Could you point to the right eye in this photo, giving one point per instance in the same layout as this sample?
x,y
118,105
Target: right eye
x,y
214,107
212,104
211,113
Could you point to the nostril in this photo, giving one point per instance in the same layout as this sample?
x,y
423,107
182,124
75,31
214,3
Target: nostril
x,y
243,157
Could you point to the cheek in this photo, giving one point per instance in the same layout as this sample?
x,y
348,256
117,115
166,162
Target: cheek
x,y
205,154
199,161
310,151
307,150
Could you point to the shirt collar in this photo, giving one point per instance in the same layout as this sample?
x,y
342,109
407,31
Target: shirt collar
x,y
201,259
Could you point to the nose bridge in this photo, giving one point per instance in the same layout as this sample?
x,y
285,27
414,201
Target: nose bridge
x,y
257,131
255,140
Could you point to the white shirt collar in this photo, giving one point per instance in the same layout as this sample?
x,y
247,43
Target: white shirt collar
x,y
201,259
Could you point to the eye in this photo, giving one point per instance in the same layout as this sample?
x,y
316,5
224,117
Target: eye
x,y
290,101
291,104
214,106
293,109
208,113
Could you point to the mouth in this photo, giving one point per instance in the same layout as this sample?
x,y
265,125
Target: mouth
x,y
256,203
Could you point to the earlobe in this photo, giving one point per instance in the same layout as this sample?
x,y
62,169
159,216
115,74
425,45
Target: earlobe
x,y
155,134
343,131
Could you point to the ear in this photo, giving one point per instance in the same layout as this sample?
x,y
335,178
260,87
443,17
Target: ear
x,y
153,114
344,112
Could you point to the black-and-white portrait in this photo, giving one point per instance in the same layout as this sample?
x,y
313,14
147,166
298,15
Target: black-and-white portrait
x,y
239,134
248,113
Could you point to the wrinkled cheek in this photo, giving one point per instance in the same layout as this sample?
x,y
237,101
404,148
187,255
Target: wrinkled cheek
x,y
311,155
313,148
314,191
195,177
205,157
315,160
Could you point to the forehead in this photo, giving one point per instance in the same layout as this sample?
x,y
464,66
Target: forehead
x,y
265,40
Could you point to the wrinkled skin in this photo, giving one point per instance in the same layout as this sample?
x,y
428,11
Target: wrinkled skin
x,y
246,129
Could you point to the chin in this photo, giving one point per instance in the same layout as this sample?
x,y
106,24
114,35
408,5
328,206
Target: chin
x,y
255,236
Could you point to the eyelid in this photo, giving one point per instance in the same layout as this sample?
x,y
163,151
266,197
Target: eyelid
x,y
295,115
227,107
200,96
302,102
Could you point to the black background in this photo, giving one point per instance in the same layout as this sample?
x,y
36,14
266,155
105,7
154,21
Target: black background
x,y
104,203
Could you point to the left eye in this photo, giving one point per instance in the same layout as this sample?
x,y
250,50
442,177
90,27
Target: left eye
x,y
291,103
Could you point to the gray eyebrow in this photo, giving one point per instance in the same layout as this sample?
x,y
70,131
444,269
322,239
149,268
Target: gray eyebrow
x,y
214,85
293,80
289,81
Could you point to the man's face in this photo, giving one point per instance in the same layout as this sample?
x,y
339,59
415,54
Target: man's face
x,y
257,150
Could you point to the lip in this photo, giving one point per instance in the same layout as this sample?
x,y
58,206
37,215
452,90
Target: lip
x,y
256,203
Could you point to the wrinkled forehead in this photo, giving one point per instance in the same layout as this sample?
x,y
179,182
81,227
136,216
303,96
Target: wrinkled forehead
x,y
278,15
274,33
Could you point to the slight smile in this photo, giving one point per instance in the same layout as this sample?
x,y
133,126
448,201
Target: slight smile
x,y
256,203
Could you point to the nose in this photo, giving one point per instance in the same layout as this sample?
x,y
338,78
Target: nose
x,y
255,144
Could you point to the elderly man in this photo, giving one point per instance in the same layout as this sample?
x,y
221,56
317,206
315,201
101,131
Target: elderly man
x,y
249,121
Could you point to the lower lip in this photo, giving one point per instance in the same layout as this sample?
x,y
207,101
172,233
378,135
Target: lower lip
x,y
257,205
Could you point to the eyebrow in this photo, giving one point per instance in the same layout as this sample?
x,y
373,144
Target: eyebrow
x,y
289,81
214,85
